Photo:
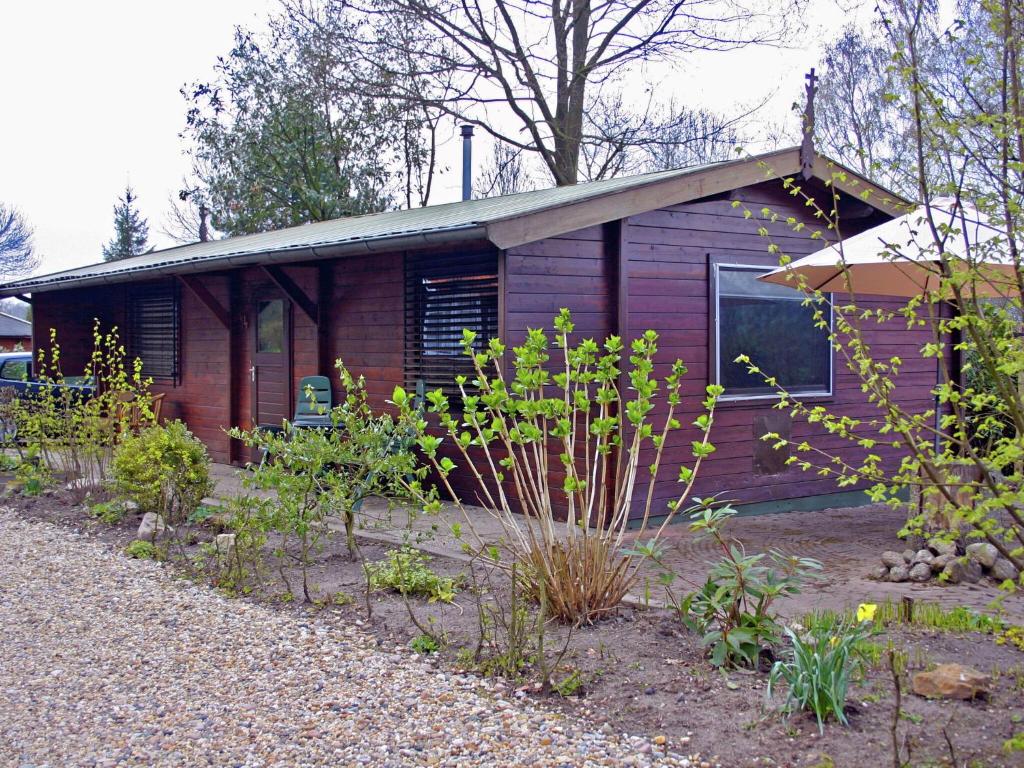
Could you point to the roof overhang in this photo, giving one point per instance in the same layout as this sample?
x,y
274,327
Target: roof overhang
x,y
515,231
542,221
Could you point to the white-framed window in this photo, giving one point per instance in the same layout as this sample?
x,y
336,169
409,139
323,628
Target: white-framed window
x,y
773,326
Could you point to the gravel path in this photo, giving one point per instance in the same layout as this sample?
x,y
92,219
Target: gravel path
x,y
108,661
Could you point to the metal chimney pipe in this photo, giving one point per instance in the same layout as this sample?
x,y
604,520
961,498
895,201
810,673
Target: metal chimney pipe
x,y
467,162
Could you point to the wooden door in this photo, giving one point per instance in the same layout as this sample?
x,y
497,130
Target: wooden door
x,y
270,371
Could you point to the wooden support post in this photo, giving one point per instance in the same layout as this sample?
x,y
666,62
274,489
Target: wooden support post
x,y
236,330
207,299
290,289
324,290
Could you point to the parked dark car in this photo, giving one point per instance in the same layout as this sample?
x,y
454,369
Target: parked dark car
x,y
16,373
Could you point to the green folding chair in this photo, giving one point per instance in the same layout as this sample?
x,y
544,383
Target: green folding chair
x,y
313,403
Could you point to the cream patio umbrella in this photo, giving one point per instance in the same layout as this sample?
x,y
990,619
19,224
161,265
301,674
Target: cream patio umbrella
x,y
901,258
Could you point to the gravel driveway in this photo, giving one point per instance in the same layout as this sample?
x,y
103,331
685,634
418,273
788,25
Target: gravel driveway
x,y
108,661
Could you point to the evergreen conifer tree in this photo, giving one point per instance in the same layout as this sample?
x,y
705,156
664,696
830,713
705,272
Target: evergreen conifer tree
x,y
130,230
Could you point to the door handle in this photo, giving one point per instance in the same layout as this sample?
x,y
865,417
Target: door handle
x,y
252,372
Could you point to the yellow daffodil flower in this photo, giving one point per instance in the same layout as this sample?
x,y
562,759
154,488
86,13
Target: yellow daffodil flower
x,y
866,611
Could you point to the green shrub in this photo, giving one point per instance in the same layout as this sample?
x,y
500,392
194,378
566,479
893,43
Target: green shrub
x,y
733,611
142,550
74,435
109,512
316,473
425,644
406,571
164,469
818,672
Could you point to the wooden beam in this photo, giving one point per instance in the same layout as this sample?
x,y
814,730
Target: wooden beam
x,y
291,289
201,292
22,297
236,333
324,293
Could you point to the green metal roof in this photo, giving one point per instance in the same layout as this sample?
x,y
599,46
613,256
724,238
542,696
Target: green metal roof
x,y
415,227
392,230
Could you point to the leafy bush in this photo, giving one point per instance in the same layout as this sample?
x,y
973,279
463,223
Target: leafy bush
x,y
406,571
817,674
143,550
564,412
733,610
320,472
425,644
33,476
239,568
164,469
109,512
73,433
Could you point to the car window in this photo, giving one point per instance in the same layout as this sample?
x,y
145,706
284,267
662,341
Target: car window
x,y
14,370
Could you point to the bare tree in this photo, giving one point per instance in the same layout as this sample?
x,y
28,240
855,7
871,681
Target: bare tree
x,y
505,173
544,63
188,217
858,120
17,253
620,140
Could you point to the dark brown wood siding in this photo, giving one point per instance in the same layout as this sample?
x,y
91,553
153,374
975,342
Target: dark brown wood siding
x,y
669,290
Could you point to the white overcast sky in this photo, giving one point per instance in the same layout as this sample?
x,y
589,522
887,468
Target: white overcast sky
x,y
91,101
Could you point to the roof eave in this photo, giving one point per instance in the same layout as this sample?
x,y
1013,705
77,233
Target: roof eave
x,y
514,231
304,253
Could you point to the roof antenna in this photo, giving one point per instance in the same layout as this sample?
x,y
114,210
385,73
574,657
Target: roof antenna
x,y
807,145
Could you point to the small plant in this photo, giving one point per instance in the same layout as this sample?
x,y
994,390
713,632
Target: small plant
x,y
406,571
142,550
33,476
568,686
425,644
164,469
109,512
1012,635
733,609
818,672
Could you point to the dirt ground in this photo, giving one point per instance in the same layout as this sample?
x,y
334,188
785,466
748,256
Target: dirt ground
x,y
643,672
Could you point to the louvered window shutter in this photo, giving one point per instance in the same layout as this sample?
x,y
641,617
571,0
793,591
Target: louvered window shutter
x,y
444,295
154,329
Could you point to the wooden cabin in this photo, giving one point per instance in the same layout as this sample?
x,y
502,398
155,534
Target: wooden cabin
x,y
227,328
15,333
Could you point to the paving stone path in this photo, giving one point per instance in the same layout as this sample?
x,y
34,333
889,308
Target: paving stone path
x,y
106,661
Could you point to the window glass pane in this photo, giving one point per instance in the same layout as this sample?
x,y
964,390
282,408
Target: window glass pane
x,y
15,370
270,326
777,333
744,282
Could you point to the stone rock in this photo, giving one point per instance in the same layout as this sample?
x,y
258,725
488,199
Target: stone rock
x,y
899,573
972,571
951,681
983,553
941,561
130,506
908,556
923,556
953,572
892,559
1003,569
152,527
921,572
225,543
879,573
940,547
915,541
